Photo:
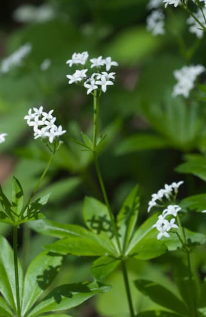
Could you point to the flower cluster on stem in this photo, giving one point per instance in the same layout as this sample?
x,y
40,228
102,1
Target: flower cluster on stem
x,y
43,124
93,76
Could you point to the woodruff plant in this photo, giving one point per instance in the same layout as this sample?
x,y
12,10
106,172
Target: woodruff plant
x,y
25,294
113,240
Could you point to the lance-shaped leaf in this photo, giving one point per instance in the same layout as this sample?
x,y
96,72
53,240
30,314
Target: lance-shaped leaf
x,y
58,230
6,214
40,273
162,296
103,266
32,212
17,197
7,274
195,203
77,246
158,313
144,244
127,217
5,310
96,217
187,285
67,296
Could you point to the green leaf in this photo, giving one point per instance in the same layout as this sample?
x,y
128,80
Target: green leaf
x,y
7,274
188,288
202,297
157,313
68,296
87,140
96,217
5,310
162,296
32,212
141,142
77,246
103,266
5,206
195,165
54,229
144,244
55,315
194,203
127,217
40,273
17,197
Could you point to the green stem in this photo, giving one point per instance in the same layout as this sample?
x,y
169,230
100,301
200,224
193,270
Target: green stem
x,y
96,119
194,17
127,287
16,270
185,247
106,200
38,184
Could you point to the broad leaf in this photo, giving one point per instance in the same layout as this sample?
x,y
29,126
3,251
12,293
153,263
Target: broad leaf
x,y
103,266
77,246
127,218
68,296
157,313
141,142
195,165
40,273
187,287
96,217
194,203
7,274
5,208
17,197
162,296
32,212
54,229
5,310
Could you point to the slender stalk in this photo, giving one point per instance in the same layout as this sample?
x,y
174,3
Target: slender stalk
x,y
103,189
194,17
184,243
16,270
38,184
96,119
127,288
106,199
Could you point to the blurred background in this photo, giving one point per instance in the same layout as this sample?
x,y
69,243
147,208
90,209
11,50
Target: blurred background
x,y
149,133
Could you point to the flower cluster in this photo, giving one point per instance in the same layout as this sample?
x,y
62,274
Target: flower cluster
x,y
172,2
186,77
43,124
194,25
164,225
92,80
31,14
155,22
167,192
2,137
16,58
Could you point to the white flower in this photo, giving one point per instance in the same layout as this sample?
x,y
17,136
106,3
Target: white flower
x,y
43,124
16,58
105,74
2,137
155,22
151,204
78,58
204,211
109,63
186,77
171,210
78,76
163,226
154,4
172,2
97,62
90,85
45,64
194,25
104,82
167,190
175,186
